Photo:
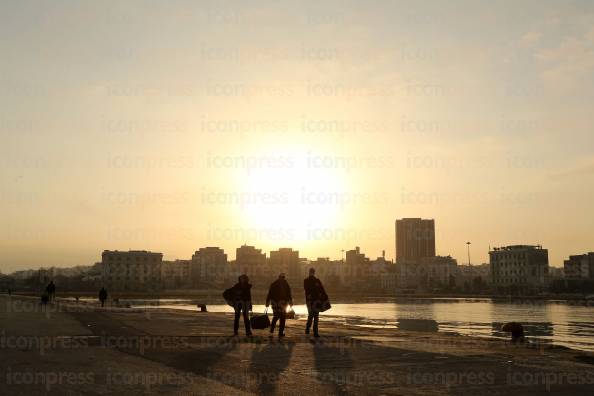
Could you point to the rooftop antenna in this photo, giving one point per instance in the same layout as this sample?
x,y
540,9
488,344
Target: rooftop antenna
x,y
468,249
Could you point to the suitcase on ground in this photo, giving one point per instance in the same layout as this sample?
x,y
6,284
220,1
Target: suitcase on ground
x,y
260,322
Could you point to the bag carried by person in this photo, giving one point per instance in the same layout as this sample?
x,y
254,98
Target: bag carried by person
x,y
229,296
324,305
260,321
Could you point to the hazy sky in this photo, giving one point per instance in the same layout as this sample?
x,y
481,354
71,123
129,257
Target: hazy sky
x,y
173,125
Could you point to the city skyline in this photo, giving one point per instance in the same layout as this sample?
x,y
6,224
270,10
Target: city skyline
x,y
325,119
434,248
263,252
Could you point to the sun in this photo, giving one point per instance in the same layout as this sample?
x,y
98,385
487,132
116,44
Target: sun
x,y
292,190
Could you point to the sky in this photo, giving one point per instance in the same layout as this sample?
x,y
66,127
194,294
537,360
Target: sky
x,y
170,126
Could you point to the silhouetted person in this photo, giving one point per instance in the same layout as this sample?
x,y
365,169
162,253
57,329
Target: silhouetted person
x,y
517,331
9,292
51,291
314,296
102,296
242,303
279,295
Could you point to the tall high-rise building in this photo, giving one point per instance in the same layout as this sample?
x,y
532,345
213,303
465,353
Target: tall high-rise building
x,y
415,239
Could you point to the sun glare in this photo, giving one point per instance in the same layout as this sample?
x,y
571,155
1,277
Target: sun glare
x,y
301,194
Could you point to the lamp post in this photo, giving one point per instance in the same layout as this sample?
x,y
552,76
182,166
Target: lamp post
x,y
468,250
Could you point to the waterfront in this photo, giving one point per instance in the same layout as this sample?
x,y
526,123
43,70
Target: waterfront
x,y
557,322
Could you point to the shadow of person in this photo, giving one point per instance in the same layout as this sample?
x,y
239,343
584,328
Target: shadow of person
x,y
210,359
333,366
268,362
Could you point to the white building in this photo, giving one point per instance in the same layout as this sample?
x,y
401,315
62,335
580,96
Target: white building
x,y
524,266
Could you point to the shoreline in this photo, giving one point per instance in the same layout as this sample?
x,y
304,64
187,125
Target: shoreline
x,y
215,296
358,323
195,353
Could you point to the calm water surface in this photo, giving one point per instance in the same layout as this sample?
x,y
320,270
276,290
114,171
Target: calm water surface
x,y
560,323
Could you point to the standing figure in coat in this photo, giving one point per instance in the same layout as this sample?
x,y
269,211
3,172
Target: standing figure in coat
x,y
102,296
242,303
51,290
279,296
315,295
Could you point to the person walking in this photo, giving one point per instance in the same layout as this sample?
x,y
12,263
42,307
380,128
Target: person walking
x,y
241,296
279,296
102,296
51,291
315,295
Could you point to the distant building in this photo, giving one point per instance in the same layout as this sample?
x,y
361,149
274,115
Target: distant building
x,y
46,275
94,274
579,267
176,274
428,272
209,267
328,271
355,257
468,273
523,266
24,274
380,265
286,260
381,274
415,239
355,270
556,273
133,270
389,282
304,266
252,262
